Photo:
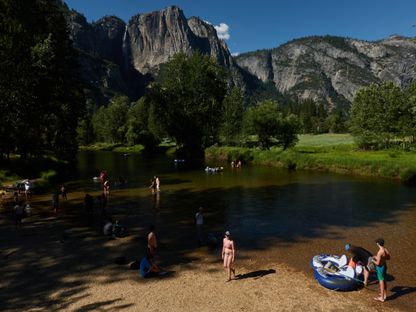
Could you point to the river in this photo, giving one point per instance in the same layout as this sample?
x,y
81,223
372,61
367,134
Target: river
x,y
273,214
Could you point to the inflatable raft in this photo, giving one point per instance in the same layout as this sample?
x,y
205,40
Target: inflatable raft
x,y
333,273
214,169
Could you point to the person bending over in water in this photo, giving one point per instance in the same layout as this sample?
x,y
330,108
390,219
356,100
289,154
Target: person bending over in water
x,y
228,254
381,268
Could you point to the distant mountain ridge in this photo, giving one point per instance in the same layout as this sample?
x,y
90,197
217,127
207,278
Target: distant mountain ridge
x,y
123,58
331,69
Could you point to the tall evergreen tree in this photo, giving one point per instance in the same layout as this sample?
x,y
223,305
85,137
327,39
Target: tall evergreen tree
x,y
188,100
40,96
232,116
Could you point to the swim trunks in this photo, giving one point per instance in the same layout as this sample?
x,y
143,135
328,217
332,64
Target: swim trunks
x,y
381,272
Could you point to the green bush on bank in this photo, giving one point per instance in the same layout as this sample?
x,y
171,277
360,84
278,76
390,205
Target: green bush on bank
x,y
7,176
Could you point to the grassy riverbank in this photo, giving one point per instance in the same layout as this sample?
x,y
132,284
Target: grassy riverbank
x,y
42,171
113,147
329,152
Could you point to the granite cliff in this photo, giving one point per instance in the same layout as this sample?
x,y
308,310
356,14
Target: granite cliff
x,y
123,58
332,69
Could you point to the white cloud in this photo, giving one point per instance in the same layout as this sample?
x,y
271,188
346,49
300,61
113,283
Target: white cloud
x,y
235,54
222,31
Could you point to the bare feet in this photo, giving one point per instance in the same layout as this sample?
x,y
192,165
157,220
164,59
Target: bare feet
x,y
385,297
379,299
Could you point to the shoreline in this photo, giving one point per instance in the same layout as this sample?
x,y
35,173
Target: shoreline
x,y
62,264
78,273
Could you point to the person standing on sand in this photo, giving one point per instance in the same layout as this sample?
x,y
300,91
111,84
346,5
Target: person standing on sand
x,y
362,256
151,241
199,221
381,268
228,254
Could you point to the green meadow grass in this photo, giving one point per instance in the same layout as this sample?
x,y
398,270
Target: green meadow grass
x,y
329,153
114,147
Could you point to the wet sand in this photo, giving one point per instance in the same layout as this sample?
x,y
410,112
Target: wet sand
x,y
59,263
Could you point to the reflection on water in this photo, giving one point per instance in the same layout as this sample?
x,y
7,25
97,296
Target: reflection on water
x,y
255,201
287,215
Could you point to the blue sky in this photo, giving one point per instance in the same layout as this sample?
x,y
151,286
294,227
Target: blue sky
x,y
261,24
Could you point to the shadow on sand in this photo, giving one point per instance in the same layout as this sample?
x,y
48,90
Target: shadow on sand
x,y
255,274
399,291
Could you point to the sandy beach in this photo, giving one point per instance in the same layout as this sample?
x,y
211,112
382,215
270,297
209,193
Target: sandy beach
x,y
58,264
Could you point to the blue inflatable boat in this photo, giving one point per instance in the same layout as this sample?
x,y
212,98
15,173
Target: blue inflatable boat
x,y
333,273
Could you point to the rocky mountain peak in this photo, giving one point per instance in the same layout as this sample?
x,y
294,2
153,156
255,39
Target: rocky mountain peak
x,y
331,69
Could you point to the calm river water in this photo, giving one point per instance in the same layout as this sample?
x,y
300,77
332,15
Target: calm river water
x,y
274,215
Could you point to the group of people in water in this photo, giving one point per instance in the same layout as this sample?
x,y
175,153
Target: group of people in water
x,y
236,164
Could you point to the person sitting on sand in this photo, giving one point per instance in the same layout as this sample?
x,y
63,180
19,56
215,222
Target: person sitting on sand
x,y
361,256
381,268
147,268
119,230
228,254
